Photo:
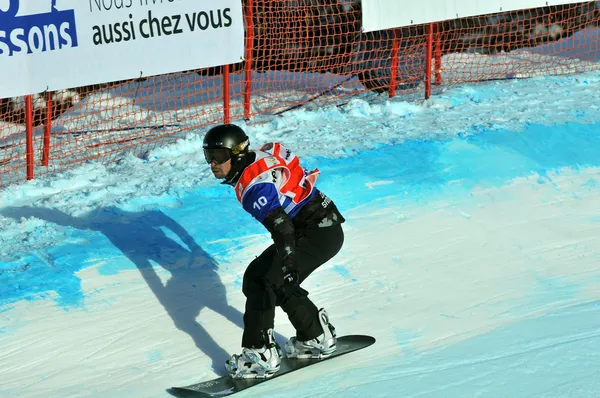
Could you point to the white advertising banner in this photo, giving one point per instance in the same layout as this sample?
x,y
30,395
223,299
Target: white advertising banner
x,y
57,44
387,14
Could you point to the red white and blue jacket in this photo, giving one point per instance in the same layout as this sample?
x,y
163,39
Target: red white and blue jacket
x,y
275,179
280,194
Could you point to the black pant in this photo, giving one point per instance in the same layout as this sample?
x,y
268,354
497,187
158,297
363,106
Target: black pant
x,y
263,282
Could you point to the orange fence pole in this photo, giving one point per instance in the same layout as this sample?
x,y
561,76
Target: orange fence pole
x,y
29,135
394,74
226,95
47,129
249,48
428,62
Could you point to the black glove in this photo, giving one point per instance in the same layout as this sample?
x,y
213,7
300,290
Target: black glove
x,y
290,276
291,286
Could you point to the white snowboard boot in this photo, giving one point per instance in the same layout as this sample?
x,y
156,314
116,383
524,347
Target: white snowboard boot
x,y
320,347
256,362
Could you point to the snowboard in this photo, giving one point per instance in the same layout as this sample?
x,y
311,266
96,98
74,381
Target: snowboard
x,y
226,386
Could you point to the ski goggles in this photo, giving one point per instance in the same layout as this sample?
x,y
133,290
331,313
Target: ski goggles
x,y
218,155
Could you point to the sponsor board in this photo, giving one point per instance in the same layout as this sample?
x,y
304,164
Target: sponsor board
x,y
388,14
58,44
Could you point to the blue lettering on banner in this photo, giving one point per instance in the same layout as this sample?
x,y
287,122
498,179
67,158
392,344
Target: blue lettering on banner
x,y
36,33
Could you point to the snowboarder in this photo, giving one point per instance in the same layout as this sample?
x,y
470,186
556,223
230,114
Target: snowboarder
x,y
305,226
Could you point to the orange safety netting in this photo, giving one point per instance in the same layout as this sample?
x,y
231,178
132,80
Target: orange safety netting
x,y
300,53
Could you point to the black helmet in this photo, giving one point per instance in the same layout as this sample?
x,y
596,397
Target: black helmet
x,y
224,142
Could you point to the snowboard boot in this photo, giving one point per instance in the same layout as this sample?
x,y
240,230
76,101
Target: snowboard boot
x,y
319,347
254,363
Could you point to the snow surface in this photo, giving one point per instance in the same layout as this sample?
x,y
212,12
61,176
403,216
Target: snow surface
x,y
471,254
